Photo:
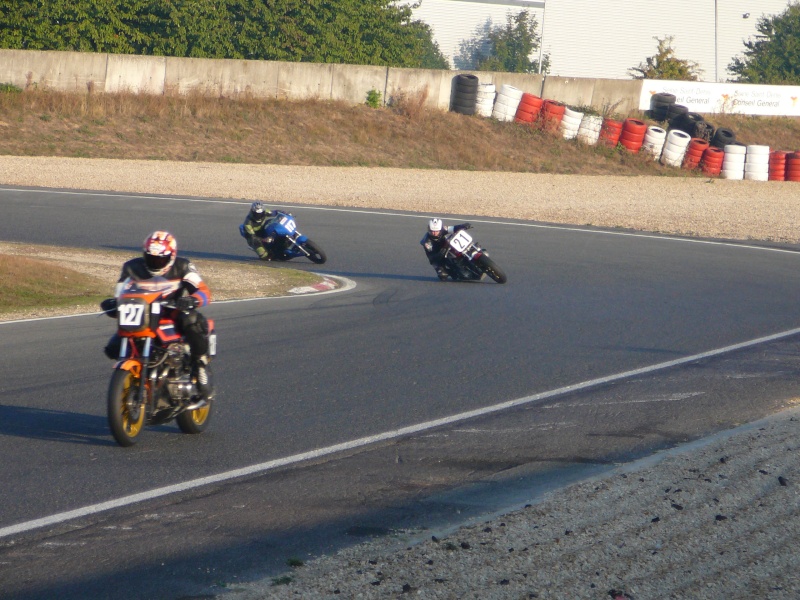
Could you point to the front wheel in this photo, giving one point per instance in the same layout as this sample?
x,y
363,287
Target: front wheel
x,y
315,253
195,421
126,422
491,269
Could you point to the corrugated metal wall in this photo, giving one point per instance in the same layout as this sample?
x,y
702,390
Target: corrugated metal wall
x,y
605,38
455,21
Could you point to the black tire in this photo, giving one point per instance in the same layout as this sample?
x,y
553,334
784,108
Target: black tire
x,y
316,254
467,81
491,269
124,427
722,137
195,421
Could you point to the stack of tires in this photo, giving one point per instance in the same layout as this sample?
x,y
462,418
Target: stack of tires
x,y
465,95
654,140
659,105
793,166
711,163
694,153
756,163
528,109
674,110
777,166
632,135
485,99
552,113
589,131
570,123
506,103
723,137
610,132
675,148
733,162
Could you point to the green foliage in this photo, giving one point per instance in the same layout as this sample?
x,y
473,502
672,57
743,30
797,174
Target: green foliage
x,y
9,88
283,580
774,57
506,48
665,65
376,32
373,99
294,562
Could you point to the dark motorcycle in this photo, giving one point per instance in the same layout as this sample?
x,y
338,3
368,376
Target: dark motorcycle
x,y
151,383
465,260
283,241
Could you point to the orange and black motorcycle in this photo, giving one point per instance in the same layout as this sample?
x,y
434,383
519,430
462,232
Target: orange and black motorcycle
x,y
152,382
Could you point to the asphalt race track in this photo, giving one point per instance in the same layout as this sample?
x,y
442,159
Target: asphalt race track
x,y
318,391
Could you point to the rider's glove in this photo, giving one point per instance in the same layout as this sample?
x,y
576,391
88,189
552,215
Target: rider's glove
x,y
187,303
109,306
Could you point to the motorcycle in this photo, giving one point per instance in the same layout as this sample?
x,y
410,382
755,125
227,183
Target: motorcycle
x,y
151,383
465,260
283,241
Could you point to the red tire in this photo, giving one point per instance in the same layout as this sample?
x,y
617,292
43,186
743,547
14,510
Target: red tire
x,y
712,157
635,126
610,132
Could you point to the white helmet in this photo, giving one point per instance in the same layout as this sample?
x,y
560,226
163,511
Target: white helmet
x,y
435,227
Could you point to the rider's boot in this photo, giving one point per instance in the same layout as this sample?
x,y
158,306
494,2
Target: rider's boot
x,y
441,273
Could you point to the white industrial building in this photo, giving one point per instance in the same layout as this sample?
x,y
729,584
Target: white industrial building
x,y
605,38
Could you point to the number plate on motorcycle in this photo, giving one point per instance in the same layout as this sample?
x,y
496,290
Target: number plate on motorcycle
x,y
289,224
460,241
133,315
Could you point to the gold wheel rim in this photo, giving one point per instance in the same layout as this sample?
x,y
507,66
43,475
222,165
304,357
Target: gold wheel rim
x,y
131,427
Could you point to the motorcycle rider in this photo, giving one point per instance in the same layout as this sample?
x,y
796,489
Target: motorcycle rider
x,y
434,243
254,228
160,259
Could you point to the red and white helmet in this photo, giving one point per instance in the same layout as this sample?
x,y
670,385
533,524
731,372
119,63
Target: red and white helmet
x,y
435,227
160,251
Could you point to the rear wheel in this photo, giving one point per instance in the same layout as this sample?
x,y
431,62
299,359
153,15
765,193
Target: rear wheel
x,y
126,423
195,421
316,254
492,270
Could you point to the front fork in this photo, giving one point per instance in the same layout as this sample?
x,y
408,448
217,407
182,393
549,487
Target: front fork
x,y
136,403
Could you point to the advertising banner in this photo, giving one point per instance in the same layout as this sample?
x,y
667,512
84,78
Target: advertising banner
x,y
740,98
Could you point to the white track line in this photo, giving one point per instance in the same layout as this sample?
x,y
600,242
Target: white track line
x,y
372,439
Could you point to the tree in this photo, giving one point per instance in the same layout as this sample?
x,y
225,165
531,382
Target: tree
x,y
774,57
376,32
505,48
665,65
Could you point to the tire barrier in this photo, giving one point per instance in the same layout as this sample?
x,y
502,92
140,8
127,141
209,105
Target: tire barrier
x,y
589,131
654,140
723,137
687,122
485,99
756,163
711,163
675,148
777,165
552,113
506,103
694,153
659,105
632,134
674,110
610,132
570,123
793,166
733,162
465,95
529,108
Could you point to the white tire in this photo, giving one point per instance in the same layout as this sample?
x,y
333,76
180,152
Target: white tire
x,y
756,149
731,174
679,138
756,176
511,92
735,149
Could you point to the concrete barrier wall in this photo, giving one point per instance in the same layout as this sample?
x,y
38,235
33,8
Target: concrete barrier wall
x,y
82,71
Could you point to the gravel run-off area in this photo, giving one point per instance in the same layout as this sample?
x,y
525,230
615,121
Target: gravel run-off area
x,y
715,519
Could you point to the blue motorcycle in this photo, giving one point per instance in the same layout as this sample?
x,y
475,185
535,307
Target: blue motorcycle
x,y
283,241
